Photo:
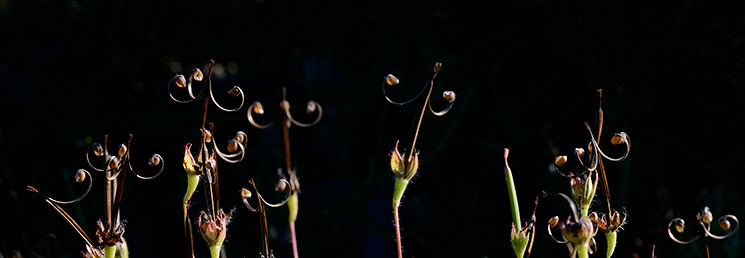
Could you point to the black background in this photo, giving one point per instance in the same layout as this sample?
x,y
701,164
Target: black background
x,y
525,74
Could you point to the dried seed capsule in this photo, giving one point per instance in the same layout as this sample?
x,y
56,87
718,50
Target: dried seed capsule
x,y
679,225
284,105
280,186
593,217
560,160
97,149
180,80
232,145
311,107
207,135
197,74
80,176
258,108
724,223
391,80
448,95
113,162
245,193
154,160
122,150
617,139
553,221
580,152
235,91
705,216
589,147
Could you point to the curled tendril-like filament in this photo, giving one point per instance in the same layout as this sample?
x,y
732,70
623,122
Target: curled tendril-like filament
x,y
237,145
282,186
704,220
181,82
284,106
115,163
622,138
449,96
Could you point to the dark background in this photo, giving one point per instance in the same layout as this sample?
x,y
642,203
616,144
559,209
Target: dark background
x,y
525,73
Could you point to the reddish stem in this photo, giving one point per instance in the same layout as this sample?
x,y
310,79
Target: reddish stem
x,y
294,239
398,232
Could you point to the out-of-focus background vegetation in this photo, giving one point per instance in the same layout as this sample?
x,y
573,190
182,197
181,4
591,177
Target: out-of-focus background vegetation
x,y
525,74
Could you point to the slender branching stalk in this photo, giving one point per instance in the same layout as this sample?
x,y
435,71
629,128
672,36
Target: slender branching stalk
x,y
522,238
287,122
405,166
611,221
703,228
110,233
281,186
212,223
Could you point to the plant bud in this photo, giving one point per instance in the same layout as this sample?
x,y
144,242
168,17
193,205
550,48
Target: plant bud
x,y
154,160
679,225
122,150
97,149
617,139
560,160
232,145
235,91
280,186
391,80
258,108
397,163
580,152
412,166
448,95
180,81
284,105
311,107
197,74
113,162
724,223
553,221
80,176
245,193
705,216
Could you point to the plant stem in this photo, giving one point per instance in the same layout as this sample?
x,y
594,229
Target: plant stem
x,y
611,238
582,250
215,251
294,239
110,251
292,204
512,192
398,193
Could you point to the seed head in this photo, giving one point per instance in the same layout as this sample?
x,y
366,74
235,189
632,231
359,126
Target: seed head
x,y
679,225
724,223
560,160
113,162
618,139
258,108
80,176
197,74
284,105
122,150
180,80
97,149
705,216
448,95
232,145
280,186
391,80
311,107
234,91
154,160
245,193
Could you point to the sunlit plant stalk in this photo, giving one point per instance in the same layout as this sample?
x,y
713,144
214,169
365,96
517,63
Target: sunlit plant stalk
x,y
287,122
704,219
521,238
213,222
405,166
281,186
109,233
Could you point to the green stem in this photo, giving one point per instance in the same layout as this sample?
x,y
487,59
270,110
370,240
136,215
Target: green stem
x,y
215,251
292,204
583,250
110,251
611,236
512,193
398,192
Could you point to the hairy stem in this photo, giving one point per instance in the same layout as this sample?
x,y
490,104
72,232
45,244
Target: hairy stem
x,y
398,193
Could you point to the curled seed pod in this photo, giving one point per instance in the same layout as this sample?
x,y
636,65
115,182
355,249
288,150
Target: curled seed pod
x,y
113,162
284,105
97,149
234,91
280,186
258,108
589,147
197,74
154,160
80,176
239,136
232,145
391,80
553,221
122,150
245,193
180,80
580,152
724,223
618,139
679,225
448,95
311,107
560,160
705,216
593,217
